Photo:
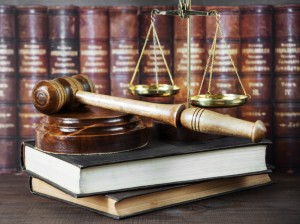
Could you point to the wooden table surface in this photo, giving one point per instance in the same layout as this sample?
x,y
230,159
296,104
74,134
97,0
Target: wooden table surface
x,y
276,203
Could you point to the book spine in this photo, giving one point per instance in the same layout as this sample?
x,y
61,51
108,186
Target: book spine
x,y
8,90
224,79
63,40
197,63
32,63
286,86
94,46
164,28
256,65
124,48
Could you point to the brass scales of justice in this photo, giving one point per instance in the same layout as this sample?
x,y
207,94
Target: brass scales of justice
x,y
69,128
160,90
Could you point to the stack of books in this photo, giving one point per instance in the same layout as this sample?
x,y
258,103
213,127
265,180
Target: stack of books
x,y
160,175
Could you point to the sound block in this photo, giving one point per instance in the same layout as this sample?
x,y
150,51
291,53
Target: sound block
x,y
90,130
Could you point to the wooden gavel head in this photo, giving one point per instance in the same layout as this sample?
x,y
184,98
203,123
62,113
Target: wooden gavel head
x,y
51,96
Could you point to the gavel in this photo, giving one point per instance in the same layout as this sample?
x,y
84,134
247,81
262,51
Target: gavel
x,y
67,93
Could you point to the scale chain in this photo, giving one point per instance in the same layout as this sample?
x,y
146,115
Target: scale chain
x,y
210,60
227,47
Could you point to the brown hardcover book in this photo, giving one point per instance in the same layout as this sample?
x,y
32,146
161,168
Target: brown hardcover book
x,y
32,40
129,203
256,39
287,33
7,54
7,38
94,46
256,63
32,32
32,48
286,85
223,70
230,20
198,59
124,48
164,27
8,90
63,40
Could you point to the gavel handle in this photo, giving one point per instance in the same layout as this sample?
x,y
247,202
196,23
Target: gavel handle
x,y
197,119
205,121
167,113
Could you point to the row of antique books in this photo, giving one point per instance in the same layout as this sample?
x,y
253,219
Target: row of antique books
x,y
41,42
159,175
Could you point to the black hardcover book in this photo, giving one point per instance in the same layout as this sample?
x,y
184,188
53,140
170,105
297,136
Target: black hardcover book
x,y
157,164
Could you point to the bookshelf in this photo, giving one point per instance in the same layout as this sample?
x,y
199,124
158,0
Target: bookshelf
x,y
140,3
22,102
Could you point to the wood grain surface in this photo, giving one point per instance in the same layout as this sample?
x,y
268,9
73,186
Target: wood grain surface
x,y
276,203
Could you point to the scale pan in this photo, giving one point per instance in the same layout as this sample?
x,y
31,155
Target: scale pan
x,y
218,100
154,90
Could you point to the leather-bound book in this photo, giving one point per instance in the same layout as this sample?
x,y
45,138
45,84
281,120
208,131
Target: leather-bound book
x,y
287,85
198,59
7,54
32,40
124,48
7,40
256,63
287,33
223,70
32,48
164,27
94,46
8,90
63,40
230,19
256,39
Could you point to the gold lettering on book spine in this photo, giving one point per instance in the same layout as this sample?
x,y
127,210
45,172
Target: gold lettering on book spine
x,y
126,58
287,57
